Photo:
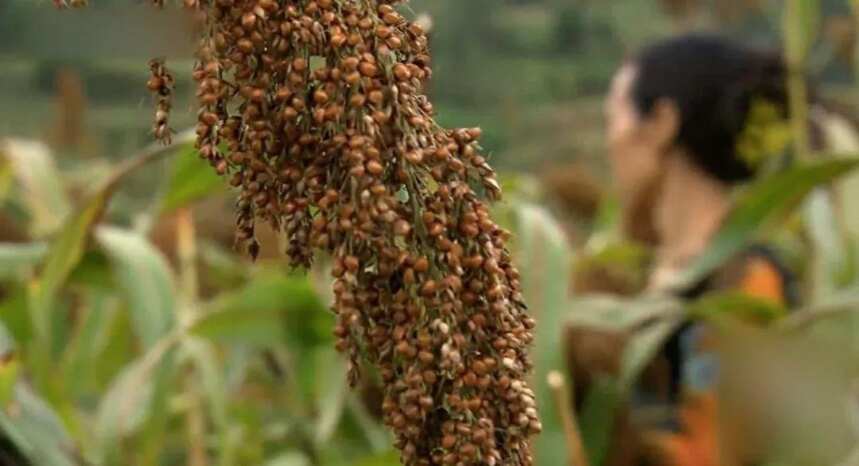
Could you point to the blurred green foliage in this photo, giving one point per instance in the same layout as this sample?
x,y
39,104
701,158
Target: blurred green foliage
x,y
533,67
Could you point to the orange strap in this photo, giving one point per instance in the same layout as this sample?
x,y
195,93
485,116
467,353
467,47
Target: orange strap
x,y
698,444
762,279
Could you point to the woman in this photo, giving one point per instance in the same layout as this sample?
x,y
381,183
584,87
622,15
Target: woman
x,y
685,119
676,118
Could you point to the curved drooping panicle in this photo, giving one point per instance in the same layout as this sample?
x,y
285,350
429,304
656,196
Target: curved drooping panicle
x,y
314,111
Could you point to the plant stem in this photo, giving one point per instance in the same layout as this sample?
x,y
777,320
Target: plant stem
x,y
145,156
195,426
796,52
563,403
186,247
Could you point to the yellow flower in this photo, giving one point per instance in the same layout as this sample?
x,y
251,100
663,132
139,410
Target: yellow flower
x,y
767,134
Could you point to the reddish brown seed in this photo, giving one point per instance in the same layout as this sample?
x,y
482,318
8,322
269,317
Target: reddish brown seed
x,y
402,228
422,265
337,40
351,263
426,357
429,288
391,18
154,84
415,157
357,100
375,168
320,97
290,113
352,78
401,72
245,45
258,95
368,69
376,97
350,63
209,118
249,20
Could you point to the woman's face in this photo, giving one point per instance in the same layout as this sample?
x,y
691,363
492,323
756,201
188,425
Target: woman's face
x,y
636,145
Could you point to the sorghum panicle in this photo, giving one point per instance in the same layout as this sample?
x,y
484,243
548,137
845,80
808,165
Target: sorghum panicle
x,y
314,111
161,85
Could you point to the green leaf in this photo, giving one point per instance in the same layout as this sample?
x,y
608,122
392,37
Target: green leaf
x,y
542,250
192,178
744,307
386,459
620,314
597,418
331,387
255,314
91,336
40,184
37,431
289,459
64,254
14,315
642,348
93,272
829,259
763,203
154,433
377,436
9,367
9,370
145,278
261,327
19,259
25,419
211,374
128,402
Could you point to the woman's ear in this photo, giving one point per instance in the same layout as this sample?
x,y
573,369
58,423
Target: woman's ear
x,y
664,122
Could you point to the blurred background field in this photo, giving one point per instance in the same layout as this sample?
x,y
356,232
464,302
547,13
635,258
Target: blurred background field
x,y
150,341
531,72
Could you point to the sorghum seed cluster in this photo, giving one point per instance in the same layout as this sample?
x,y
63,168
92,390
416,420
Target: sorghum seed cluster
x,y
314,111
161,85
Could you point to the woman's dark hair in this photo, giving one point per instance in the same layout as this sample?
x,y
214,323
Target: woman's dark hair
x,y
713,82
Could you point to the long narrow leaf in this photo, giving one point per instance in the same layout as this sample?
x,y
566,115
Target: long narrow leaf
x,y
128,403
65,253
763,203
39,180
192,179
145,278
18,260
543,251
255,314
37,431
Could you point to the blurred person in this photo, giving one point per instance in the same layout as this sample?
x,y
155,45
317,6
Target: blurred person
x,y
689,119
679,114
